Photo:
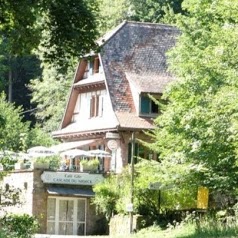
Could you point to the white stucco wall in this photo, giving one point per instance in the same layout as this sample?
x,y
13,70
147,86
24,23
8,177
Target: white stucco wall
x,y
22,180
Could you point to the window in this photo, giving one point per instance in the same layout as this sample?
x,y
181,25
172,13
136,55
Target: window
x,y
66,216
140,152
96,105
93,67
148,106
90,105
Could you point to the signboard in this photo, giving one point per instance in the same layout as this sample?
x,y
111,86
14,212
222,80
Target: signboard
x,y
202,198
160,186
129,207
71,178
112,135
155,186
112,145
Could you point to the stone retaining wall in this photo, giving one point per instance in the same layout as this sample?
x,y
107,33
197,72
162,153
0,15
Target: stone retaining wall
x,y
120,224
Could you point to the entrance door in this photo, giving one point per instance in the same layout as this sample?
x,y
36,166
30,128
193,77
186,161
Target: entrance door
x,y
66,216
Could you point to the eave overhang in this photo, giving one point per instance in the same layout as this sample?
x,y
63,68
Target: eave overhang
x,y
83,134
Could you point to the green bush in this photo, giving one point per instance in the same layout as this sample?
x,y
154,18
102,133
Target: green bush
x,y
18,226
116,191
53,161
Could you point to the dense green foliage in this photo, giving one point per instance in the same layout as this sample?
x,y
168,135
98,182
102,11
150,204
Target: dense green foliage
x,y
50,101
154,10
15,74
15,134
67,28
12,128
114,193
198,127
18,226
112,13
61,30
37,136
17,26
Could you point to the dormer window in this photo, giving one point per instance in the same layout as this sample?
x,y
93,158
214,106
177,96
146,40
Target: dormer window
x,y
148,106
93,67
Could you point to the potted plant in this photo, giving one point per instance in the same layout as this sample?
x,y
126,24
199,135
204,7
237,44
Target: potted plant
x,y
41,163
49,162
54,162
90,165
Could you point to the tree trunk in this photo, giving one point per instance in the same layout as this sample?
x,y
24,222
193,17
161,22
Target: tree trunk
x,y
10,80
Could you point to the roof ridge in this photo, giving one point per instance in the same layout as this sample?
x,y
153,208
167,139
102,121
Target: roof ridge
x,y
151,23
107,36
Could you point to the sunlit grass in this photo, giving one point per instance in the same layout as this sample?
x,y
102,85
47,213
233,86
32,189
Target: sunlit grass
x,y
205,229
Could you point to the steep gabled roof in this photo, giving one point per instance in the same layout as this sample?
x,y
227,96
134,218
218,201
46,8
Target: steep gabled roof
x,y
137,52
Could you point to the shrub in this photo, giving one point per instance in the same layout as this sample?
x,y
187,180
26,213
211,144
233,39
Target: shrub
x,y
18,226
53,161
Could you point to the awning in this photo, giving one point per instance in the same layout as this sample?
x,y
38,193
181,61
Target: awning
x,y
79,192
70,145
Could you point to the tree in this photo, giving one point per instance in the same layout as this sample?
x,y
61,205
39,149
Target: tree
x,y
60,29
15,74
113,194
16,135
154,10
198,126
50,101
70,26
112,13
69,29
12,127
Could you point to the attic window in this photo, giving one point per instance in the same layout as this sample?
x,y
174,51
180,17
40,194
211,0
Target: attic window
x,y
148,106
93,67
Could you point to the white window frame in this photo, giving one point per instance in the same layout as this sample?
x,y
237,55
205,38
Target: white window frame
x,y
75,222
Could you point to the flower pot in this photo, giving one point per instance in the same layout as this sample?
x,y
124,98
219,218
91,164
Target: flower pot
x,y
40,165
88,168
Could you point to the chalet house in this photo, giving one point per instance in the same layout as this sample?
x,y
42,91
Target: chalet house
x,y
109,95
107,110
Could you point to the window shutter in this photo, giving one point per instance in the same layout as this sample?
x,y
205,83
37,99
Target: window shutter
x,y
96,105
77,105
92,106
86,71
100,106
96,65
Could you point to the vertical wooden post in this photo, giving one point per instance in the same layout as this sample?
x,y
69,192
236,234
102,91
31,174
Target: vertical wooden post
x,y
132,178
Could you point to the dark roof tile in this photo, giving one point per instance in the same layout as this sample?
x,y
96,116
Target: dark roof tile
x,y
140,49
